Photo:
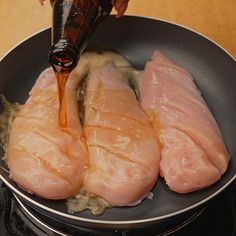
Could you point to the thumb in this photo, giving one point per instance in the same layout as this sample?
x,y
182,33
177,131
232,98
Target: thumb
x,y
120,6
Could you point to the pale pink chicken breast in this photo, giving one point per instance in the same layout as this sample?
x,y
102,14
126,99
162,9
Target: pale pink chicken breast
x,y
193,154
123,152
43,159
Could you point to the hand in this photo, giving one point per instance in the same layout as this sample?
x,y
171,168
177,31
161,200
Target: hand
x,y
119,5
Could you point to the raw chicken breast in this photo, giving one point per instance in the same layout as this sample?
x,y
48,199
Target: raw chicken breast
x,y
43,159
123,152
193,154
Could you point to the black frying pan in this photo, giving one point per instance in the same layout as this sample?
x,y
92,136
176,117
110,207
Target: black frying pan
x,y
136,38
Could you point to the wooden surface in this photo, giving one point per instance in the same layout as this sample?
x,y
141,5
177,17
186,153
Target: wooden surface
x,y
214,18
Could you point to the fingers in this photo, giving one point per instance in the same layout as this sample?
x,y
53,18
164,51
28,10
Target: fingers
x,y
41,1
120,6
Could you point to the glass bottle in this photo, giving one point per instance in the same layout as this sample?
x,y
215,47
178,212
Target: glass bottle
x,y
74,21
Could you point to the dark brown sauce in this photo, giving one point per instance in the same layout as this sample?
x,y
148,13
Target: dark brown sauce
x,y
62,113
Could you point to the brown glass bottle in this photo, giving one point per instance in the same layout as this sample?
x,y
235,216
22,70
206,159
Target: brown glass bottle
x,y
74,21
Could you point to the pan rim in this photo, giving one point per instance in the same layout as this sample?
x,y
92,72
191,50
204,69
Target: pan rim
x,y
119,222
134,16
114,222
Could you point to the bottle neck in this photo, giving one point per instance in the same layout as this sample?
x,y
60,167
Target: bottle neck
x,y
74,21
63,56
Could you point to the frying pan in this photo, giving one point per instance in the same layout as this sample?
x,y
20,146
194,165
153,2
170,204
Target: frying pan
x,y
213,69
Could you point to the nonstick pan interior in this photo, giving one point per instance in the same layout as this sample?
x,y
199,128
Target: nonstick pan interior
x,y
136,38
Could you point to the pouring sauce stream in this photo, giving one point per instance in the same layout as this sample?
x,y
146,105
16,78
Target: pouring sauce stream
x,y
61,84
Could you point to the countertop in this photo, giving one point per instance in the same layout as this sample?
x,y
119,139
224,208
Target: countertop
x,y
215,19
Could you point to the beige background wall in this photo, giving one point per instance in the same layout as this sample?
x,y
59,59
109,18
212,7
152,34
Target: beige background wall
x,y
214,18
